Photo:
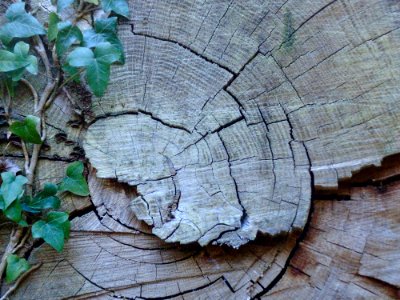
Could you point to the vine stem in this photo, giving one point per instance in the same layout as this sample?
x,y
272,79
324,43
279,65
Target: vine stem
x,y
26,156
19,280
15,237
49,91
32,89
55,83
22,242
51,83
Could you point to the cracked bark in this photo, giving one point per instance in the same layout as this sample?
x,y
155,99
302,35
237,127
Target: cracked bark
x,y
209,98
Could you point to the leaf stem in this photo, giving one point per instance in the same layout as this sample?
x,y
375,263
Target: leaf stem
x,y
32,166
32,89
41,50
22,242
26,156
70,78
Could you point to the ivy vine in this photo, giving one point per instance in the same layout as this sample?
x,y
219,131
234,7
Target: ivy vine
x,y
67,53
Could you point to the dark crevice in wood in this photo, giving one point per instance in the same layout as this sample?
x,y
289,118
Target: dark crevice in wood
x,y
378,282
234,77
136,112
183,46
275,281
172,246
244,213
81,212
226,282
131,228
302,235
377,176
88,279
43,157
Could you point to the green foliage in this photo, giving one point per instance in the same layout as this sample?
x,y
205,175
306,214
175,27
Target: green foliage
x,y
120,7
52,226
54,229
52,30
96,63
10,62
15,63
289,30
20,24
45,199
80,57
12,187
70,53
72,72
21,51
15,267
74,182
105,30
27,129
68,34
14,212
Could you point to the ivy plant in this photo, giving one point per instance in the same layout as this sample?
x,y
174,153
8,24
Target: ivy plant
x,y
65,51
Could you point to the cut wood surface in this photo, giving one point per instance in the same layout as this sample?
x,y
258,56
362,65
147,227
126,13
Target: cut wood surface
x,y
351,249
212,136
202,172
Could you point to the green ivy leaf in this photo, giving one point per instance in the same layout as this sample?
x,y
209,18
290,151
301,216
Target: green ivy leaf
x,y
33,65
15,267
105,30
54,229
12,187
98,76
120,7
10,86
14,212
96,63
106,53
27,129
80,57
75,182
67,35
25,202
20,24
52,31
21,51
98,72
45,199
72,72
62,4
108,25
11,62
66,227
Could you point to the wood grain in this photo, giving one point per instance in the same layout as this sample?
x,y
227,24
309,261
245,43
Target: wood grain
x,y
223,119
350,250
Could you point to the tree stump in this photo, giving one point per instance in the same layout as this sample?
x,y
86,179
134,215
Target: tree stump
x,y
227,125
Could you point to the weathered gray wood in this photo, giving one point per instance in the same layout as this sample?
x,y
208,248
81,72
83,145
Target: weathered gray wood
x,y
350,251
220,74
171,148
203,172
